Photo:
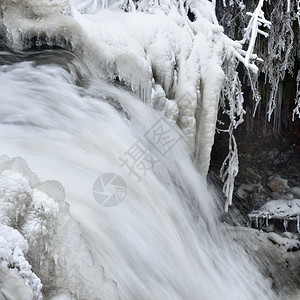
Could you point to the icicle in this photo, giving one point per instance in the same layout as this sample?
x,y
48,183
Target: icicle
x,y
277,114
298,224
285,224
296,110
298,11
249,222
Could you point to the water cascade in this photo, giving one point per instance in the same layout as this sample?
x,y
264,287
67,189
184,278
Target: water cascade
x,y
83,91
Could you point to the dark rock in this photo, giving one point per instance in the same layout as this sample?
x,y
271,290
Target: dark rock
x,y
275,196
295,191
288,196
253,174
245,190
284,156
258,196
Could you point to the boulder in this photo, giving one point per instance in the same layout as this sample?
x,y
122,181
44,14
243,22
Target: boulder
x,y
277,184
295,191
245,190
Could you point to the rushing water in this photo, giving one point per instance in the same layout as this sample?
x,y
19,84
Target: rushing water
x,y
163,241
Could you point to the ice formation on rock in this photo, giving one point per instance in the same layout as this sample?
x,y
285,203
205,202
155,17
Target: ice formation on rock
x,y
40,243
284,211
16,277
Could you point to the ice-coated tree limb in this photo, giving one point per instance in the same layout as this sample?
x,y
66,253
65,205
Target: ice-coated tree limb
x,y
251,32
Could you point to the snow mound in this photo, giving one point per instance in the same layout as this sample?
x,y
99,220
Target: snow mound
x,y
41,249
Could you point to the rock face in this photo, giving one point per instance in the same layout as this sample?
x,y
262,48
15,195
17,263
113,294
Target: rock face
x,y
274,259
270,203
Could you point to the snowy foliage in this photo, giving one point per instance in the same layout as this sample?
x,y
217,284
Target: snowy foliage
x,y
280,58
232,97
278,51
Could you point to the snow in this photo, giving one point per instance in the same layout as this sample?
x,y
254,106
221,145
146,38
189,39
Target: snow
x,y
169,62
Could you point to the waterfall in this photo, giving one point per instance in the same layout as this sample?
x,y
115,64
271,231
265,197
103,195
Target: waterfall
x,y
162,241
67,115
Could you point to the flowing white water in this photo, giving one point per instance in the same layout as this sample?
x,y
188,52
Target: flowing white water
x,y
163,241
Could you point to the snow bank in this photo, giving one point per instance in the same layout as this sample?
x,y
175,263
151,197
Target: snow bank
x,y
40,245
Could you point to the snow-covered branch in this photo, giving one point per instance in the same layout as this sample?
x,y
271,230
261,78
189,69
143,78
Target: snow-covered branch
x,y
232,105
230,169
253,29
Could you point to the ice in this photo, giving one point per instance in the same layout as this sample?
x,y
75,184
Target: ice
x,y
13,249
12,284
252,30
35,226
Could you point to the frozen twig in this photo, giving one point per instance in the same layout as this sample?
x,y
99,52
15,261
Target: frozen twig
x,y
250,35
